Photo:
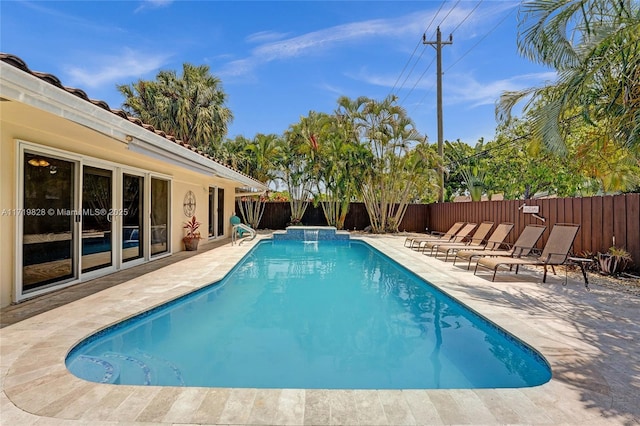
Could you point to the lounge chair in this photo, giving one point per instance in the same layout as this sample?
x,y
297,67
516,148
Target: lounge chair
x,y
522,247
462,235
235,220
555,252
447,236
478,240
494,241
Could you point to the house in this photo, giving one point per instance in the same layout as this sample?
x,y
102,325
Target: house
x,y
87,190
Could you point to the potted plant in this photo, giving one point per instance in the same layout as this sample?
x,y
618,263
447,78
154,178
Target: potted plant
x,y
614,261
192,238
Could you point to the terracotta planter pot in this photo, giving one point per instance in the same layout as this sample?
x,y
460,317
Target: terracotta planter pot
x,y
190,244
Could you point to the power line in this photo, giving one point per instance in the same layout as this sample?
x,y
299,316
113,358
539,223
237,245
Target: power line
x,y
449,13
467,17
480,40
413,53
412,68
404,68
458,26
427,91
463,55
485,151
418,80
510,141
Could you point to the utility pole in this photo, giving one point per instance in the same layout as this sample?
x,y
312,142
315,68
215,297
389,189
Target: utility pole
x,y
438,46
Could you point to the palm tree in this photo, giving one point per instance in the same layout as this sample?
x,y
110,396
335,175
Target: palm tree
x,y
190,107
468,163
266,152
595,47
339,159
233,153
300,168
394,164
261,157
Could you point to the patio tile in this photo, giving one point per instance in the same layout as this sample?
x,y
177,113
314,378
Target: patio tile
x,y
185,405
343,407
317,410
265,407
137,401
115,396
422,408
238,406
448,408
589,338
396,408
212,406
159,406
290,407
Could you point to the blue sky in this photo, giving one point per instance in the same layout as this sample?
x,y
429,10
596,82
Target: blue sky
x,y
279,60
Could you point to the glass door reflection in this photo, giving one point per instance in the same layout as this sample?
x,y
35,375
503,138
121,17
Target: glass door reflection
x,y
159,215
132,223
221,223
48,224
97,205
212,212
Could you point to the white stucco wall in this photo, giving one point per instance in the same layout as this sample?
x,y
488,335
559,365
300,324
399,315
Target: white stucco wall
x,y
21,122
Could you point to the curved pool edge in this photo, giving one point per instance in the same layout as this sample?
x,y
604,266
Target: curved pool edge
x,y
36,381
507,334
103,368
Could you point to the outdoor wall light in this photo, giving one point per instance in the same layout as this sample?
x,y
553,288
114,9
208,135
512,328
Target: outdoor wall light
x,y
38,162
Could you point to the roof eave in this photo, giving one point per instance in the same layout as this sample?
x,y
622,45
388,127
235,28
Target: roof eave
x,y
26,88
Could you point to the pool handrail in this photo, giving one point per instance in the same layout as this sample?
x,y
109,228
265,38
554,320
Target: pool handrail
x,y
245,228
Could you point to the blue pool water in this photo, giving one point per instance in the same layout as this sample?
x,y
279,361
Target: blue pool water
x,y
293,314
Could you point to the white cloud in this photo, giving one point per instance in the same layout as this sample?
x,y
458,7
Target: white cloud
x,y
105,70
464,20
337,91
153,4
465,88
264,37
323,40
237,68
390,80
71,21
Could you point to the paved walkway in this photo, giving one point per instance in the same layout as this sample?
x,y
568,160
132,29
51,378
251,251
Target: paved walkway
x,y
32,307
591,340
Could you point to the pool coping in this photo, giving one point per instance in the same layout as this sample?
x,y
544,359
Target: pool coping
x,y
37,387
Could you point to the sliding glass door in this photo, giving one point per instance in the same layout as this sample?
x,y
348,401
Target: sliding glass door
x,y
159,216
97,220
216,212
133,220
221,224
79,218
49,221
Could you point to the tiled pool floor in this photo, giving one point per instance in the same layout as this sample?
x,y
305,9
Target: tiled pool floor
x,y
591,339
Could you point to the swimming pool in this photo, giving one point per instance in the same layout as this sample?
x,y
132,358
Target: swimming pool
x,y
322,314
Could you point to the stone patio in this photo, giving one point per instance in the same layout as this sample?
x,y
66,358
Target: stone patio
x,y
591,340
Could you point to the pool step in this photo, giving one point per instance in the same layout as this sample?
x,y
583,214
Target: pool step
x,y
139,369
311,233
146,369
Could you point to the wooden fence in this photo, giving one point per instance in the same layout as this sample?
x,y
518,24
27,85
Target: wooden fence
x,y
277,215
601,219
